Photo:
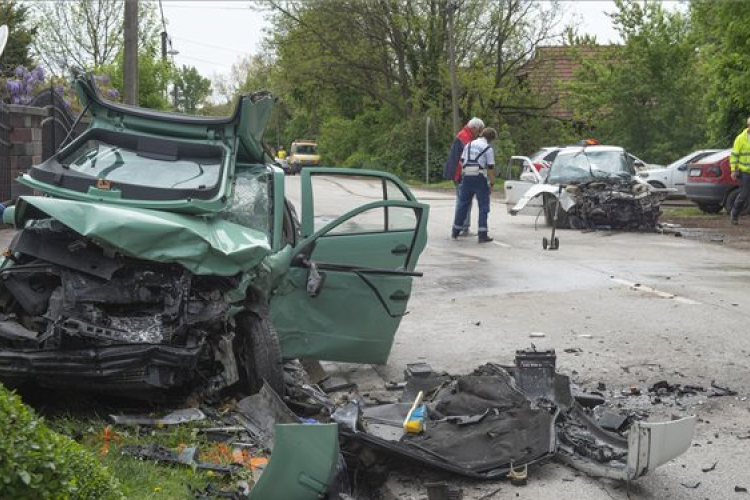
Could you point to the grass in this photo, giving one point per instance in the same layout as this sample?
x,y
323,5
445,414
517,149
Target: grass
x,y
143,479
684,212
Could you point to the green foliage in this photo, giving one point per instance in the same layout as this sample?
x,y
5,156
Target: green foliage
x,y
361,77
154,76
21,34
193,89
646,97
722,32
87,34
36,463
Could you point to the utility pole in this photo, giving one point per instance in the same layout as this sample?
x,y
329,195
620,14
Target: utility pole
x,y
130,69
452,8
164,45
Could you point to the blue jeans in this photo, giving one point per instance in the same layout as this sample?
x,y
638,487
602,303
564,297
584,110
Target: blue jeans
x,y
467,220
473,186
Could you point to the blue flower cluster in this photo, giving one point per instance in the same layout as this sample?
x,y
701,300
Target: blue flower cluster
x,y
22,88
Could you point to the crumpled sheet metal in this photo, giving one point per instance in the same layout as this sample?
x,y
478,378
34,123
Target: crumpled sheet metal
x,y
204,246
175,418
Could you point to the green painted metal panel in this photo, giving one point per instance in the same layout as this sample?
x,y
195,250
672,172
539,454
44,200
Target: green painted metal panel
x,y
349,321
202,245
302,465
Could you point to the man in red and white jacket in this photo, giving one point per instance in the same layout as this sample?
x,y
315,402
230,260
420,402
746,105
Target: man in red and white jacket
x,y
452,170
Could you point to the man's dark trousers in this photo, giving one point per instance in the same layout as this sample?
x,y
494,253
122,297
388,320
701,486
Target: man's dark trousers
x,y
471,186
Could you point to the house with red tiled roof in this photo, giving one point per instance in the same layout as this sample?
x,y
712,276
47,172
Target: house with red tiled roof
x,y
554,66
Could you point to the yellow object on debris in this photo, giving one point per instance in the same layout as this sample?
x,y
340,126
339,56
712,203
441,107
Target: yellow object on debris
x,y
414,422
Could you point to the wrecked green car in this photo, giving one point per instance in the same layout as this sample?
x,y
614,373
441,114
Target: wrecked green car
x,y
162,254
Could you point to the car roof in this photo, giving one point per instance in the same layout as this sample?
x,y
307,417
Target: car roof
x,y
715,157
577,149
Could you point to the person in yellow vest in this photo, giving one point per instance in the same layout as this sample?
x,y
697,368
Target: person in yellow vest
x,y
281,155
739,162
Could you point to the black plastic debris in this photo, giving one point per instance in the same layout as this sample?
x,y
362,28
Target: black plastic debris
x,y
740,489
709,469
187,456
612,421
443,491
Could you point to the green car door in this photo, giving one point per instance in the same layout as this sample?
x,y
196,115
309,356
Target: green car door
x,y
351,277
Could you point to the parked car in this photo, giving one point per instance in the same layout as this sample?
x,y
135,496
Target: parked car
x,y
674,175
303,154
710,184
601,188
163,255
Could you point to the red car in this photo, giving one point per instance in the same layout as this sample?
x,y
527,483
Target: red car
x,y
710,185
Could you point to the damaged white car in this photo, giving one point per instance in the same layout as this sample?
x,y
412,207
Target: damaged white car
x,y
597,187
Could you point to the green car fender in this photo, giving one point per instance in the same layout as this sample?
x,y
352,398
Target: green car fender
x,y
302,465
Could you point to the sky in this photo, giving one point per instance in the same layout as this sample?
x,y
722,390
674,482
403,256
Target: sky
x,y
213,34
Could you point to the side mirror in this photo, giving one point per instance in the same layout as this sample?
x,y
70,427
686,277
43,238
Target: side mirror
x,y
638,164
682,167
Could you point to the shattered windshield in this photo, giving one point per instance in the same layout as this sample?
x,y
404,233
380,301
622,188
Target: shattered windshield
x,y
170,168
581,166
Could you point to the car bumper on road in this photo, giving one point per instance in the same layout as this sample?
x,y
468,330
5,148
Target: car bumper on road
x,y
707,193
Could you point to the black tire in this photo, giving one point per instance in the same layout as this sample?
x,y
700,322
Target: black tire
x,y
556,242
258,354
709,208
729,203
549,214
545,243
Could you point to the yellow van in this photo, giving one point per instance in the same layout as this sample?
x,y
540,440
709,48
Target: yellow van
x,y
303,154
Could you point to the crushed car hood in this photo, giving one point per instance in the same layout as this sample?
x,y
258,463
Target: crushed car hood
x,y
209,246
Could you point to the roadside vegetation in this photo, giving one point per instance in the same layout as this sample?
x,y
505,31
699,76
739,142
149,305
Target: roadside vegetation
x,y
363,78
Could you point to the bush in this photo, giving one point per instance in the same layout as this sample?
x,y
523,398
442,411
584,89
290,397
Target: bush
x,y
36,463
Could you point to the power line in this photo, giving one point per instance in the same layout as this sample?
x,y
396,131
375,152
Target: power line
x,y
206,62
226,49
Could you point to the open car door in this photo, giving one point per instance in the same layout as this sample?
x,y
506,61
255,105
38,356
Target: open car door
x,y
520,176
351,275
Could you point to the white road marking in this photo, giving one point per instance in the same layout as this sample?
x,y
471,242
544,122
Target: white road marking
x,y
504,245
647,289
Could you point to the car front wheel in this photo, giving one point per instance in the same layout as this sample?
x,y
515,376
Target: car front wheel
x,y
258,354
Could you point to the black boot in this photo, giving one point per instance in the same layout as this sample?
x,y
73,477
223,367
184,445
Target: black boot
x,y
733,218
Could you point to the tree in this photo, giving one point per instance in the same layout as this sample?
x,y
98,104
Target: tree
x,y
154,77
722,44
87,34
381,65
20,34
646,97
192,88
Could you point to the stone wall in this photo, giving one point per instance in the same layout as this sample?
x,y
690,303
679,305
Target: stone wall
x,y
25,144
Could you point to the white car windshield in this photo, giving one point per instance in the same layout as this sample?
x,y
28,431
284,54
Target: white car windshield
x,y
582,166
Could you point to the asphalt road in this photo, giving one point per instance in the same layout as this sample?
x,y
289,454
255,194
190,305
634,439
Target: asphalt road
x,y
641,307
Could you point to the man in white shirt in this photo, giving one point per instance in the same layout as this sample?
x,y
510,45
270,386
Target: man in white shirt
x,y
478,176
